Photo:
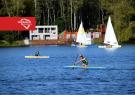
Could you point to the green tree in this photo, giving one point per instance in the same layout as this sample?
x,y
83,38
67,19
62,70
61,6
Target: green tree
x,y
121,12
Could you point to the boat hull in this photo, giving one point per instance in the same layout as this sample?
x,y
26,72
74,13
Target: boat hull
x,y
36,56
118,46
82,46
73,66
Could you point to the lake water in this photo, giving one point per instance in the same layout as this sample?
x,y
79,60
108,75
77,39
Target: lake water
x,y
20,76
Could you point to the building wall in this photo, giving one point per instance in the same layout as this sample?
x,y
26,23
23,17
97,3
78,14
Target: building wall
x,y
73,35
44,33
96,35
69,35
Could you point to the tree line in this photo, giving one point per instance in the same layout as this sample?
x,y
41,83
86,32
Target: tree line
x,y
68,14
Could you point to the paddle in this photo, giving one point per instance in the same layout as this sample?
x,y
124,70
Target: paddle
x,y
75,60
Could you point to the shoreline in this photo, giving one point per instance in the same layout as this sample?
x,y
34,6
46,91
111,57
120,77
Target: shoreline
x,y
20,43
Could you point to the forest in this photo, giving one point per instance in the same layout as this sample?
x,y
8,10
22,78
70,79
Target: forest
x,y
68,14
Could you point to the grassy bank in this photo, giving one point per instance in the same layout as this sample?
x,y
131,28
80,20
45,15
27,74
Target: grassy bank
x,y
4,43
98,41
20,43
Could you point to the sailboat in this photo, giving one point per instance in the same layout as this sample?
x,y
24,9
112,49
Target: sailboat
x,y
110,39
81,37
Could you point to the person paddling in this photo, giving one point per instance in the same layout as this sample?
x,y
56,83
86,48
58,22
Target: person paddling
x,y
37,53
83,60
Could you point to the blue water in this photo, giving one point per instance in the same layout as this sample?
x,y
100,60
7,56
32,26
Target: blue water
x,y
20,76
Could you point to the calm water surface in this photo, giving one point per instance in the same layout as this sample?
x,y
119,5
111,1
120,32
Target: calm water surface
x,y
20,76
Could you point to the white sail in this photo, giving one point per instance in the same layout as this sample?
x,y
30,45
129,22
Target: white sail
x,y
110,37
81,35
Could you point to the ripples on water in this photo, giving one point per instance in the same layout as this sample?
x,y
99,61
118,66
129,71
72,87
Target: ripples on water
x,y
20,76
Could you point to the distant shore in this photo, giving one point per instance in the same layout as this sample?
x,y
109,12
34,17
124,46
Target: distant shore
x,y
20,43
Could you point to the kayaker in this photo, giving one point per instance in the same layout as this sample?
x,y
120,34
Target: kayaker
x,y
37,53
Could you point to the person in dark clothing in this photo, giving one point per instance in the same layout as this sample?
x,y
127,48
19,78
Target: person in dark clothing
x,y
83,60
37,53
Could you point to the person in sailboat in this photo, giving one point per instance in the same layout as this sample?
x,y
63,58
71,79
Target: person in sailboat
x,y
83,60
81,44
37,53
108,45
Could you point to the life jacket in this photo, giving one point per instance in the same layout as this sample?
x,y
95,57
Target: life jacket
x,y
84,61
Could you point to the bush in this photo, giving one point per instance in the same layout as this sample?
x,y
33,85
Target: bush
x,y
98,41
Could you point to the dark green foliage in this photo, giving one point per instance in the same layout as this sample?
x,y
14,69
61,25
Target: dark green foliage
x,y
62,13
60,23
9,37
122,13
